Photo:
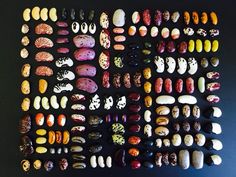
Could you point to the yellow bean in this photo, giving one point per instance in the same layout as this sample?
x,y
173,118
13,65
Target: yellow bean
x,y
41,132
191,46
147,87
41,140
199,45
207,46
215,46
41,150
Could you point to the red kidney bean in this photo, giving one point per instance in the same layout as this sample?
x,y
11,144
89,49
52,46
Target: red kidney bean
x,y
135,164
134,108
179,85
135,128
134,96
134,118
158,85
168,85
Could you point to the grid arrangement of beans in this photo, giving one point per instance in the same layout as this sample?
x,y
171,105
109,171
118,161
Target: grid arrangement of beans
x,y
111,89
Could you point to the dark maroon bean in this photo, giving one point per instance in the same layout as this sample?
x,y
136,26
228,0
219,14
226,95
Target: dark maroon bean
x,y
134,118
182,47
161,47
134,96
135,128
170,46
135,164
134,108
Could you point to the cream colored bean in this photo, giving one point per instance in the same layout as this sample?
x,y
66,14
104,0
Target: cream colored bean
x,y
63,102
109,162
45,103
101,161
93,161
37,101
26,14
53,14
44,14
53,102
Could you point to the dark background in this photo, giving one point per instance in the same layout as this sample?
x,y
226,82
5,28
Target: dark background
x,y
10,98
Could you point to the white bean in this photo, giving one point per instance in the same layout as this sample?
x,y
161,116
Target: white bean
x,y
165,99
101,161
37,100
93,161
45,103
147,116
109,162
53,102
63,102
187,99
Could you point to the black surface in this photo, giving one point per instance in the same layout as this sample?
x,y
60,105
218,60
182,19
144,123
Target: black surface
x,y
10,97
